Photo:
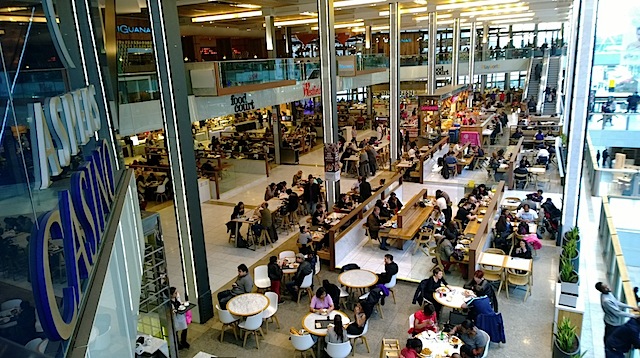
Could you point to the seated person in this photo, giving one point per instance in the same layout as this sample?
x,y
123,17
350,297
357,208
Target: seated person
x,y
360,317
521,169
412,349
436,219
305,236
482,190
305,268
390,269
472,336
344,202
517,134
394,203
526,214
522,250
543,156
464,214
539,135
336,332
384,211
537,196
321,302
528,201
525,162
482,287
450,159
426,319
319,216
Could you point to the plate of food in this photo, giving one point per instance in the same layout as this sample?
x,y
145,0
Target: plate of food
x,y
479,220
442,289
454,340
426,352
465,242
468,292
483,211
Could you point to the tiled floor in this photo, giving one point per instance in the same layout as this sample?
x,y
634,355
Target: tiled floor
x,y
527,324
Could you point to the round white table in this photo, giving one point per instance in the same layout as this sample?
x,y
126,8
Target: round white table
x,y
309,325
309,322
358,278
248,304
432,341
454,298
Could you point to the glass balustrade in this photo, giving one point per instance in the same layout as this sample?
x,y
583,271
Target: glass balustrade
x,y
620,121
138,87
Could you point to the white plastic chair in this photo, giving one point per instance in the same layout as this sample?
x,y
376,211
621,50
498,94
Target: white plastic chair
x,y
378,305
303,343
412,321
306,285
161,193
486,348
271,311
338,350
227,320
362,337
11,304
343,296
317,270
288,254
261,277
252,325
390,285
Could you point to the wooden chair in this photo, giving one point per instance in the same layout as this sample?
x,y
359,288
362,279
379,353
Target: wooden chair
x,y
433,252
459,225
519,279
424,238
390,348
494,275
521,178
264,239
453,170
494,251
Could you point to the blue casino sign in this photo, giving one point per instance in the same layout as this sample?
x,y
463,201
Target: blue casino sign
x,y
79,221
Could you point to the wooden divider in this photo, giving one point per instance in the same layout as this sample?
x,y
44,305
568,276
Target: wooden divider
x,y
409,208
512,163
479,241
336,232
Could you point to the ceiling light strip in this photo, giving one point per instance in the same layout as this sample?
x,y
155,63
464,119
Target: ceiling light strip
x,y
468,4
231,16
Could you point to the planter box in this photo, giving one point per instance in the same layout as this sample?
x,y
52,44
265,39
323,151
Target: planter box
x,y
568,300
569,288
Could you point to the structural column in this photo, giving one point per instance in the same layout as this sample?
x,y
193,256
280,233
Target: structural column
x,y
577,106
472,59
270,36
455,54
394,79
431,53
328,72
167,47
367,39
485,54
288,41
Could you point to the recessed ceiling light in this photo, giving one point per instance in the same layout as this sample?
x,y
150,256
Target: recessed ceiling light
x,y
230,16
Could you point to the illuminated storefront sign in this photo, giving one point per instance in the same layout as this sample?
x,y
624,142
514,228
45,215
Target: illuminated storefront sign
x,y
311,90
62,125
124,29
79,222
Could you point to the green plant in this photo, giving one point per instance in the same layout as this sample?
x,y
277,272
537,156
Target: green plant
x,y
567,274
570,249
565,335
564,139
573,234
579,355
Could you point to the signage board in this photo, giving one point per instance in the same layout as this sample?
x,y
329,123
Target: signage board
x,y
241,104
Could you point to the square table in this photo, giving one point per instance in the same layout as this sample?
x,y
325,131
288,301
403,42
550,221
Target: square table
x,y
516,263
490,259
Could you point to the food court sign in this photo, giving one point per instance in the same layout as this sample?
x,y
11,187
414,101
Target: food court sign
x,y
80,217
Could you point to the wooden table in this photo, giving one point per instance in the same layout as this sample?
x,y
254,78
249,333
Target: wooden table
x,y
248,304
353,163
495,260
537,171
454,298
463,162
516,263
412,219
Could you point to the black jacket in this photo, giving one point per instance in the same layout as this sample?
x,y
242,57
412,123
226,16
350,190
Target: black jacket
x,y
418,296
274,272
365,191
304,269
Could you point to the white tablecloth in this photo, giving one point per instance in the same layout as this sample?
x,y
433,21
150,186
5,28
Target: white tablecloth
x,y
153,344
432,341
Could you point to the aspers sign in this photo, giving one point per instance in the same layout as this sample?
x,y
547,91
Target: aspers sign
x,y
310,90
62,125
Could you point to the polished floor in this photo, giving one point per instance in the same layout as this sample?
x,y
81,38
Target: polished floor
x,y
528,325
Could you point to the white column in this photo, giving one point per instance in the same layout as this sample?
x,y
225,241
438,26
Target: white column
x,y
472,59
431,54
270,36
455,54
579,108
327,36
485,55
394,79
367,38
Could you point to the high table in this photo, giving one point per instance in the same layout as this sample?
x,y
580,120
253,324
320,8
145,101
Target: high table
x,y
248,304
309,324
452,298
357,280
412,219
437,346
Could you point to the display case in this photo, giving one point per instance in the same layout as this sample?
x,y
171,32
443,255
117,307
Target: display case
x,y
439,112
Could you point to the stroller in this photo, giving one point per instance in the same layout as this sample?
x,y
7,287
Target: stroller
x,y
551,220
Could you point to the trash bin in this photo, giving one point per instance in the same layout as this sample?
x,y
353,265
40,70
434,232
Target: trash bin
x,y
454,135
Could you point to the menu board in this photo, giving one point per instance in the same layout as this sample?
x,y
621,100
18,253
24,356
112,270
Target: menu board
x,y
331,157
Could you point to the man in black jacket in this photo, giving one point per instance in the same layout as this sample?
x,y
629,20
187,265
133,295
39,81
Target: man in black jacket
x,y
365,190
304,269
390,269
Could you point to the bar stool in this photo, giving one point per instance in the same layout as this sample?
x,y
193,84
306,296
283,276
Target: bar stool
x,y
294,220
264,239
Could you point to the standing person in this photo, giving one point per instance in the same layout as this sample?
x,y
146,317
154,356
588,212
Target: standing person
x,y
632,102
598,157
623,339
373,163
275,275
180,320
354,132
444,202
614,310
364,163
243,284
365,190
266,220
605,156
373,222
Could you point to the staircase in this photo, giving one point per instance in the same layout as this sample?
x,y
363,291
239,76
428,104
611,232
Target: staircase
x,y
550,108
533,86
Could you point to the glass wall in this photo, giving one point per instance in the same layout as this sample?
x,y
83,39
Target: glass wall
x,y
59,171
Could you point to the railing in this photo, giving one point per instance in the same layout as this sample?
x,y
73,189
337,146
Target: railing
x,y
241,73
482,239
138,87
620,121
45,83
372,62
617,272
604,180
